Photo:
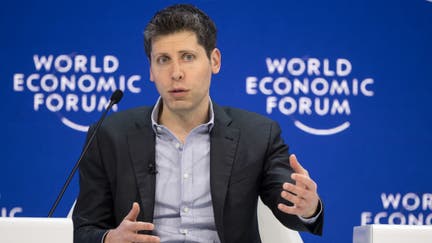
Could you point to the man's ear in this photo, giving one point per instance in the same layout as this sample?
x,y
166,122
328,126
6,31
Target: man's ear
x,y
151,74
215,60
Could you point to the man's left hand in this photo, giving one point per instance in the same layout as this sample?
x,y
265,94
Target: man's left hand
x,y
303,194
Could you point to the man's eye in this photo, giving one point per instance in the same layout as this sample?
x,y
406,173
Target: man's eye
x,y
162,60
188,57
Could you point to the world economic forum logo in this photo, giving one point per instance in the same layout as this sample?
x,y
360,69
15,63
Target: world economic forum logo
x,y
72,86
9,211
314,93
400,208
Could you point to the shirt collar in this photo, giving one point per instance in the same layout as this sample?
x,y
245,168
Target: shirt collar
x,y
156,109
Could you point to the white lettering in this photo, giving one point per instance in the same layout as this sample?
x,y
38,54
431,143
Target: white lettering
x,y
296,66
355,87
313,65
390,199
271,104
319,82
49,83
305,104
413,220
273,64
410,197
42,61
251,84
310,66
54,102
428,220
284,82
72,102
292,105
322,111
18,81
103,103
365,218
105,84
93,67
363,87
66,66
80,63
337,88
130,84
91,83
262,86
427,201
29,83
298,85
326,68
379,216
67,83
110,64
397,218
12,212
85,103
38,100
343,108
343,67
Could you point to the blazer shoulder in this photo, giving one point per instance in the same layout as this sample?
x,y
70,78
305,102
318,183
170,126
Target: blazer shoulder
x,y
139,116
243,117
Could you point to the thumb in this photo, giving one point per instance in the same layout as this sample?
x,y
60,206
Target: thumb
x,y
133,213
297,166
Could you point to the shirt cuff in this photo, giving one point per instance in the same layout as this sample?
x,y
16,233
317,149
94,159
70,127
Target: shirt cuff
x,y
314,218
104,235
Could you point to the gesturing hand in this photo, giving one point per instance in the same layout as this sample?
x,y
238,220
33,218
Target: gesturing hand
x,y
128,228
303,194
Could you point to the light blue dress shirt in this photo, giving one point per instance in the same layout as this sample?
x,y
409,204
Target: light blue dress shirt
x,y
183,209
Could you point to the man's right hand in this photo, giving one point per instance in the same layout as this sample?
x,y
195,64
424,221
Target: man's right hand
x,y
128,228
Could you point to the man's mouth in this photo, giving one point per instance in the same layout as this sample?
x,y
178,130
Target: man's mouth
x,y
177,90
178,93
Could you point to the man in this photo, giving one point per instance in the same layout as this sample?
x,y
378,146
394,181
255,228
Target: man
x,y
188,170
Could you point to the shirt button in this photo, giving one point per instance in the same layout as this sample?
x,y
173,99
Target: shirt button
x,y
185,209
177,145
185,175
159,129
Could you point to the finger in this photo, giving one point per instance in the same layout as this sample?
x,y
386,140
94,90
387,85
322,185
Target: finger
x,y
298,191
297,166
296,200
144,238
133,213
304,180
138,226
289,209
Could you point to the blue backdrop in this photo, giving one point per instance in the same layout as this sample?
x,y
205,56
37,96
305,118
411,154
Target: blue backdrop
x,y
348,81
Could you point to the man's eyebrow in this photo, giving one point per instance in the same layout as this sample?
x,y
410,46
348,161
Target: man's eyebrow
x,y
187,51
159,54
183,51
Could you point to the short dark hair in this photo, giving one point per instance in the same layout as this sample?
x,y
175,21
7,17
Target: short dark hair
x,y
181,17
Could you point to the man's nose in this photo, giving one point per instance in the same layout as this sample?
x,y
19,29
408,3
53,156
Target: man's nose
x,y
177,72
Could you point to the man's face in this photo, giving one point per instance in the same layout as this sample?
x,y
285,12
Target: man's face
x,y
182,71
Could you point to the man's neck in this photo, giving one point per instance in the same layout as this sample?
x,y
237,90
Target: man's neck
x,y
181,123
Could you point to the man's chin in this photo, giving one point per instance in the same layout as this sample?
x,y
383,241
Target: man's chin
x,y
180,106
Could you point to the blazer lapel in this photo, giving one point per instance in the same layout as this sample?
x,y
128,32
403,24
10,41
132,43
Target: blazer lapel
x,y
223,145
142,152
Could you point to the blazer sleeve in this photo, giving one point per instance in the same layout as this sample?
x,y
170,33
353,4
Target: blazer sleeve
x,y
92,215
277,171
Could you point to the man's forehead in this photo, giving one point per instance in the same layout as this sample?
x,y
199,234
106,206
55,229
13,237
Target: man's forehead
x,y
175,40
